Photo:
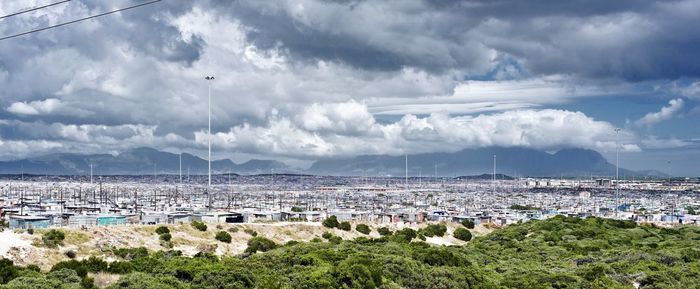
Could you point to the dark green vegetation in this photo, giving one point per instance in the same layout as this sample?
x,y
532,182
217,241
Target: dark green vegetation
x,y
345,226
53,238
362,228
331,222
199,225
524,208
223,236
462,234
433,230
557,253
162,230
468,224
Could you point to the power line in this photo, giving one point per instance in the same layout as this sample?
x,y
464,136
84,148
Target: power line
x,y
34,9
78,20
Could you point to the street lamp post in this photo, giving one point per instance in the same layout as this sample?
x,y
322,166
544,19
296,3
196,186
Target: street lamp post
x,y
209,79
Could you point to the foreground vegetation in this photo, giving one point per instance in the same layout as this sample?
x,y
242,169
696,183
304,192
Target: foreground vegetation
x,y
557,253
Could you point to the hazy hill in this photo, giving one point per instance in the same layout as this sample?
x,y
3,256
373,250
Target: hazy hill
x,y
510,161
133,162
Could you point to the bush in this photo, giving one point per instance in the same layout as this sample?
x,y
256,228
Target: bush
x,y
131,253
162,230
468,224
261,244
3,225
362,228
335,239
222,236
251,232
405,235
434,230
462,234
70,254
345,226
166,237
233,229
199,225
331,222
326,235
297,209
384,231
30,231
53,238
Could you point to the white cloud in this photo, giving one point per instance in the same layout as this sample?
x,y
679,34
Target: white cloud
x,y
326,132
665,113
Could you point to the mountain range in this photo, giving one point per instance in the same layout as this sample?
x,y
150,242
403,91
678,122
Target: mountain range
x,y
511,161
139,161
468,162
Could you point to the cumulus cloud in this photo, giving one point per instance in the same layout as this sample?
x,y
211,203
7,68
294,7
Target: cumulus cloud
x,y
50,106
323,78
666,112
322,136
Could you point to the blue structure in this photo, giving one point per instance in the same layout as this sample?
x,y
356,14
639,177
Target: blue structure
x,y
26,222
111,220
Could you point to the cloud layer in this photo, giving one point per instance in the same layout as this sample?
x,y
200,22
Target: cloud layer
x,y
311,78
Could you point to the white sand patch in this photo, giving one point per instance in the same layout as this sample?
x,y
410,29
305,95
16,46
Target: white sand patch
x,y
8,240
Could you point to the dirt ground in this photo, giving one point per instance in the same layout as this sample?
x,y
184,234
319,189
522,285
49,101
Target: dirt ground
x,y
25,249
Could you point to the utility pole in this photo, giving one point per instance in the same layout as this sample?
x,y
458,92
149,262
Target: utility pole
x,y
493,181
209,79
406,180
617,170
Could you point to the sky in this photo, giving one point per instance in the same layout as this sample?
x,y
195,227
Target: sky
x,y
299,80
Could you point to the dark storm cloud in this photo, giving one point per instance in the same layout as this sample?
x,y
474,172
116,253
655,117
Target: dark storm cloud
x,y
631,40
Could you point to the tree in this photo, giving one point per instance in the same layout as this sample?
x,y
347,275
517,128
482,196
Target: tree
x,y
362,228
462,234
331,222
3,225
345,226
223,236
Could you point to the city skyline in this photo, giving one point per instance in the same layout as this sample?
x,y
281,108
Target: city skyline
x,y
301,80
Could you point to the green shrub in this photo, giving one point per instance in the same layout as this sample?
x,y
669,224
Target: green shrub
x,y
384,231
30,231
462,234
362,228
223,236
166,237
53,238
261,244
199,225
468,224
326,235
233,229
405,235
131,253
162,230
251,232
3,225
345,226
434,230
331,222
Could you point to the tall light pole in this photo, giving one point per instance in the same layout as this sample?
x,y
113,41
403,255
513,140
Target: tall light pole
x,y
209,79
493,181
617,169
